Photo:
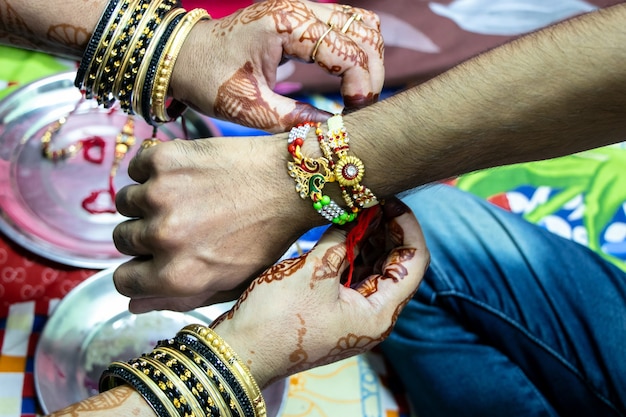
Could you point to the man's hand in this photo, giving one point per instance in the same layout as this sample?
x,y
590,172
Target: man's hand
x,y
197,234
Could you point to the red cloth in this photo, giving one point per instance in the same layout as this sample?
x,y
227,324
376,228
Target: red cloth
x,y
217,8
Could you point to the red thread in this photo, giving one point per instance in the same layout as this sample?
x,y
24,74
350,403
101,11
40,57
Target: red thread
x,y
355,235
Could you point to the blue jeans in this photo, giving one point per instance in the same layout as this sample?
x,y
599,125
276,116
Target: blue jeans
x,y
510,320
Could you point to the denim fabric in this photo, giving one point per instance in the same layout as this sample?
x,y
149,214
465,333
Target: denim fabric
x,y
510,320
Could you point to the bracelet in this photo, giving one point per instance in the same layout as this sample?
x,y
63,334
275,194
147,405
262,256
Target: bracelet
x,y
195,374
348,169
234,364
311,175
114,53
142,38
166,65
90,50
147,70
92,66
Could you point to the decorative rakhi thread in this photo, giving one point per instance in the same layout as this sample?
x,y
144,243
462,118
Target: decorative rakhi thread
x,y
311,175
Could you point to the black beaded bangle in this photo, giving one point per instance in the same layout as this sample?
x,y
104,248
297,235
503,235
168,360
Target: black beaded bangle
x,y
92,46
118,374
206,353
146,92
191,351
189,379
125,90
108,70
165,383
90,77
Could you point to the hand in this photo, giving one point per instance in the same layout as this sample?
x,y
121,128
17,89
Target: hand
x,y
227,67
197,235
312,318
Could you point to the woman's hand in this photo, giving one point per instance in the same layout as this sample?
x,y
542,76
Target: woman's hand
x,y
298,315
227,67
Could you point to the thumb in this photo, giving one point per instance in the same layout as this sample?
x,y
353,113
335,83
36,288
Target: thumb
x,y
404,266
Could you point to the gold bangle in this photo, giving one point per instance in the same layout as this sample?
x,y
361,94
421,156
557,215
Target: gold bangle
x,y
136,32
117,41
167,61
137,98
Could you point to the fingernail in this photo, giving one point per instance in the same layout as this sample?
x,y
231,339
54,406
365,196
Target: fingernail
x,y
394,207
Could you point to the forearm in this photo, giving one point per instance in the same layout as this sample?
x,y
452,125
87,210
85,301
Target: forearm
x,y
61,27
535,98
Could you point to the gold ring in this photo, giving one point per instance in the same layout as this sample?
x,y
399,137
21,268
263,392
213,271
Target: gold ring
x,y
149,143
355,16
319,42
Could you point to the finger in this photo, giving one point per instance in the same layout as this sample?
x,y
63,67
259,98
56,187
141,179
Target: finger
x,y
368,17
330,256
140,167
290,112
130,278
405,265
339,55
129,238
363,27
129,201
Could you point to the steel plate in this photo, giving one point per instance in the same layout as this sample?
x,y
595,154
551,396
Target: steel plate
x,y
41,200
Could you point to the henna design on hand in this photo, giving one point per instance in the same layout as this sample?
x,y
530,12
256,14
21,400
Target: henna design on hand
x,y
328,267
239,99
12,21
71,36
394,269
276,272
107,400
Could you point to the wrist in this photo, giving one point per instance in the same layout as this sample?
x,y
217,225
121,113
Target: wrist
x,y
191,74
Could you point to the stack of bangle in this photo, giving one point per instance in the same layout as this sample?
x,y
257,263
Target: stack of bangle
x,y
131,55
347,170
194,374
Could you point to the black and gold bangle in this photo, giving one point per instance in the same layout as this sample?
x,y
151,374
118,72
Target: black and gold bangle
x,y
172,386
145,73
193,351
227,356
113,59
206,393
143,37
96,36
120,373
240,395
89,78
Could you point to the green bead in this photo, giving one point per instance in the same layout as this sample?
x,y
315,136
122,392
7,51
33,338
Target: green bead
x,y
336,220
343,216
325,200
351,217
317,205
